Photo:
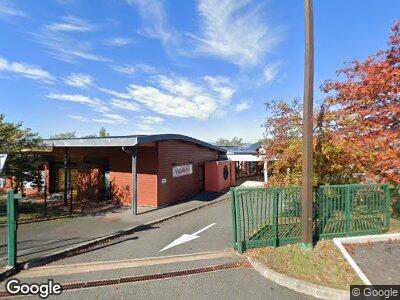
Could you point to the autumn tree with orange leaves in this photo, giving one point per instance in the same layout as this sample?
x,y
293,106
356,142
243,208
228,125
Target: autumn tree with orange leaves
x,y
356,130
332,163
367,110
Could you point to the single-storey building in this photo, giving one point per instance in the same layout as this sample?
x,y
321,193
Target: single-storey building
x,y
247,159
142,170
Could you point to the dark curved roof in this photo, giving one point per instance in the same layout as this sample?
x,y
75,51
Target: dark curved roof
x,y
125,141
246,149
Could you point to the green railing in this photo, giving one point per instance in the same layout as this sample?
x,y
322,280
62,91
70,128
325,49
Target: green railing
x,y
3,229
272,216
8,229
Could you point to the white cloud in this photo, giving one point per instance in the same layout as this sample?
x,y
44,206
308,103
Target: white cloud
x,y
146,128
125,69
58,38
8,10
79,80
68,49
65,2
168,103
119,42
242,105
115,94
110,118
125,104
271,71
26,70
221,85
94,103
78,118
154,19
71,24
105,119
131,69
234,30
150,124
179,97
151,119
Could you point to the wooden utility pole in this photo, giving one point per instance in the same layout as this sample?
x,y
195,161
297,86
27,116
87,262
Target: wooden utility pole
x,y
307,170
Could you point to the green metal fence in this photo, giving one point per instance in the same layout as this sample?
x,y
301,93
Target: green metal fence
x,y
272,216
8,229
3,230
12,224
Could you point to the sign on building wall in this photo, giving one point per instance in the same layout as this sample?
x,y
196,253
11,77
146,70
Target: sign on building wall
x,y
3,158
178,171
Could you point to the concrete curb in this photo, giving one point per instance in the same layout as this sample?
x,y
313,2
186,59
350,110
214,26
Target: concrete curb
x,y
369,238
8,272
310,289
103,240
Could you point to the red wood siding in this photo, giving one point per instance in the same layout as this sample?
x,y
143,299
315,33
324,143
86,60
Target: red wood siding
x,y
180,153
214,175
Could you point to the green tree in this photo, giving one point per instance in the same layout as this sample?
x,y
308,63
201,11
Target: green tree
x,y
64,135
103,132
233,142
15,141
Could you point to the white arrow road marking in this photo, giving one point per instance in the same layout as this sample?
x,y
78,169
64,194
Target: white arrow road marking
x,y
186,238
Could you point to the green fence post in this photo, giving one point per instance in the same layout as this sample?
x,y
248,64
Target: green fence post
x,y
275,218
238,225
11,229
386,216
234,228
347,210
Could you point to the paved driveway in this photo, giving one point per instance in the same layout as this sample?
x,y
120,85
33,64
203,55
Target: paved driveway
x,y
42,238
231,284
380,261
148,242
138,255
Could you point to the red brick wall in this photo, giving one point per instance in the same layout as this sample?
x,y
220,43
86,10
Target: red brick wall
x,y
147,165
180,153
121,177
154,163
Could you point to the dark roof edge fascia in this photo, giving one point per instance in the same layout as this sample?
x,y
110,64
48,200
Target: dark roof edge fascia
x,y
92,142
242,153
125,141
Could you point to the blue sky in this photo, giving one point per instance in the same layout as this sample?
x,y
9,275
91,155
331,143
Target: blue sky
x,y
202,68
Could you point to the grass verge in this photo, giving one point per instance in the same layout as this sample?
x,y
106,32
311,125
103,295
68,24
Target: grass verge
x,y
324,265
394,225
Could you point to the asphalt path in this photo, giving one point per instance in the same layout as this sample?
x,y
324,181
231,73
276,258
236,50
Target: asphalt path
x,y
149,242
38,239
139,254
229,284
